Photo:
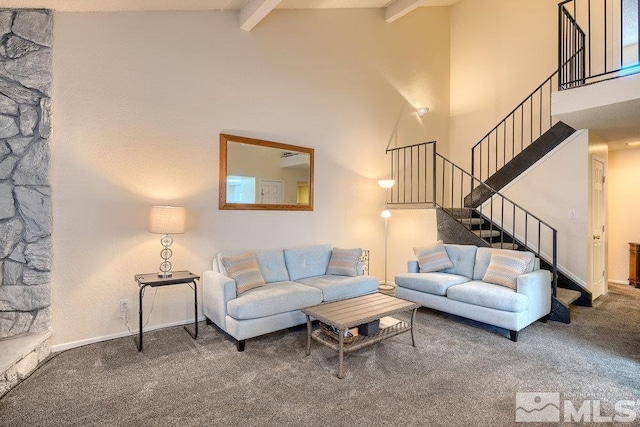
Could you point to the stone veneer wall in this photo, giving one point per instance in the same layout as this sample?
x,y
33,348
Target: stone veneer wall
x,y
25,192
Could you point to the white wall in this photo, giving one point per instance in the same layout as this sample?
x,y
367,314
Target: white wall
x,y
553,187
139,101
501,50
623,224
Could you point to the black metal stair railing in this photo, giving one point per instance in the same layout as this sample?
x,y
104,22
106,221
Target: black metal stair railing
x,y
519,129
598,40
412,167
425,178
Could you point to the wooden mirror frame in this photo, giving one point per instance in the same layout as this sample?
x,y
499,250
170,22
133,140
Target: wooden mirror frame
x,y
222,193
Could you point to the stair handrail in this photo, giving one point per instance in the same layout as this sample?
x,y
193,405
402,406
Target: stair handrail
x,y
545,123
408,175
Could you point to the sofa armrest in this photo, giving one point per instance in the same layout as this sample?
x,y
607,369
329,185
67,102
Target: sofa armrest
x,y
537,286
413,267
217,291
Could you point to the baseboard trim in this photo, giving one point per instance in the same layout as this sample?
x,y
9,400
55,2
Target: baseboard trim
x,y
74,344
619,282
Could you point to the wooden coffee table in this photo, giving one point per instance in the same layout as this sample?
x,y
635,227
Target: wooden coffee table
x,y
357,311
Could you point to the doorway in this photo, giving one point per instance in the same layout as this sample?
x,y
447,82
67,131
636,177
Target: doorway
x,y
598,232
271,191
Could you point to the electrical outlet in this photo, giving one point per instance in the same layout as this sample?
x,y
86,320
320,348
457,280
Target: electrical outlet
x,y
124,308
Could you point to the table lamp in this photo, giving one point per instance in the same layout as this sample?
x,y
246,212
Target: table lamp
x,y
166,220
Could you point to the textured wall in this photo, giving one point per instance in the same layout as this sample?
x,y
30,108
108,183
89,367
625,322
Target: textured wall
x,y
25,193
140,100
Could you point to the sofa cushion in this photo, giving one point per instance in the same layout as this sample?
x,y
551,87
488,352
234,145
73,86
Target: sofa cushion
x,y
483,258
344,262
340,287
435,283
307,261
489,295
506,266
272,266
243,268
274,298
432,257
463,258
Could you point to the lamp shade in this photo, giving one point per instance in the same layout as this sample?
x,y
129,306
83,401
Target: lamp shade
x,y
167,219
386,183
385,214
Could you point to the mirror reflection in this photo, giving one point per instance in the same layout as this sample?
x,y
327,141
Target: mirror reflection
x,y
259,174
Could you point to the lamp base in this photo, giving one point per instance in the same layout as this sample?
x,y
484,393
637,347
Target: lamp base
x,y
165,274
386,287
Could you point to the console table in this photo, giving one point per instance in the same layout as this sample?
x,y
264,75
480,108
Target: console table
x,y
177,278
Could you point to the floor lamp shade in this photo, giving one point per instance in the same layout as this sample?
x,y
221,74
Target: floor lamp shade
x,y
167,219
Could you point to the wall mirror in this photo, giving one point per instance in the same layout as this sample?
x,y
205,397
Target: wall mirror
x,y
264,175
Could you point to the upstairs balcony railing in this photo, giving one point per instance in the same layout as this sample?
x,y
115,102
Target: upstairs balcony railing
x,y
597,40
424,178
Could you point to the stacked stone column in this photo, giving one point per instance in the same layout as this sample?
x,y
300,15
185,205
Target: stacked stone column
x,y
25,192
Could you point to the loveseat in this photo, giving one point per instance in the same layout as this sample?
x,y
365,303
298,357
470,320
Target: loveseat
x,y
500,287
251,293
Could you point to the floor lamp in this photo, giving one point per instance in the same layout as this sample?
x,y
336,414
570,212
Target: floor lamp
x,y
386,214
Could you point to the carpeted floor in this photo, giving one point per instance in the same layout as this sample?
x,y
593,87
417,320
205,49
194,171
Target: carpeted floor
x,y
461,373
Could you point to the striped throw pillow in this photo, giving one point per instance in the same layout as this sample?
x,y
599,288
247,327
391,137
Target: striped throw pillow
x,y
433,257
243,268
505,266
344,262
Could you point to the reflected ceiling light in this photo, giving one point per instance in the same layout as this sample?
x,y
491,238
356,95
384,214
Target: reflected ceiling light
x,y
422,111
386,183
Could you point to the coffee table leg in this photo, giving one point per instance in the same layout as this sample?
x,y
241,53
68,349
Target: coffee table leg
x,y
340,352
308,335
413,318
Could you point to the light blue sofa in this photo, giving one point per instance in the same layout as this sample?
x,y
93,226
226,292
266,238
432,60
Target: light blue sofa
x,y
460,290
295,278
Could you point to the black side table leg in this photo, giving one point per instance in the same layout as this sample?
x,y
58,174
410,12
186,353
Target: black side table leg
x,y
140,314
195,312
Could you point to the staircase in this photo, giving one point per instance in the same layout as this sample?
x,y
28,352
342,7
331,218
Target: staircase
x,y
471,210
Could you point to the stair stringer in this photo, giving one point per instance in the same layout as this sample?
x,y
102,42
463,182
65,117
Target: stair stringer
x,y
451,231
524,160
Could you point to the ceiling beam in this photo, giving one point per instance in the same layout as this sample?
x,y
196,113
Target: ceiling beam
x,y
400,8
255,11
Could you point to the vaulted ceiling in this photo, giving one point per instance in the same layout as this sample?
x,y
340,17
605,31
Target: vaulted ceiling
x,y
251,12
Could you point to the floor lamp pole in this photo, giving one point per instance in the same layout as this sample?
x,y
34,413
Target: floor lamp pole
x,y
386,236
386,286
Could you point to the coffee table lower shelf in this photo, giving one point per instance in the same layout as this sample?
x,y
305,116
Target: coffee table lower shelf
x,y
360,341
